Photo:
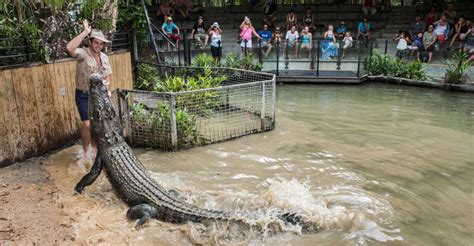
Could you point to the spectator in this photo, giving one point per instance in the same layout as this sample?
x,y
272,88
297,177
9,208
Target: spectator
x,y
431,16
364,29
460,30
291,19
246,31
306,40
266,41
165,10
168,28
291,38
368,7
470,44
277,35
416,45
341,30
441,28
199,33
384,6
329,45
183,8
417,26
309,20
348,42
270,11
216,41
429,40
403,40
450,14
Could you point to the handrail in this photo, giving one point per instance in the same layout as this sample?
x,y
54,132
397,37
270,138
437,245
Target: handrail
x,y
163,35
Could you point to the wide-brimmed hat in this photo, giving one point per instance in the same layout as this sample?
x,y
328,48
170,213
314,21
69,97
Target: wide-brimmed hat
x,y
169,18
97,34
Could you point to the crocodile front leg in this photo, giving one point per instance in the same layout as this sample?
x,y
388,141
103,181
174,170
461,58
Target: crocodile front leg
x,y
90,177
142,212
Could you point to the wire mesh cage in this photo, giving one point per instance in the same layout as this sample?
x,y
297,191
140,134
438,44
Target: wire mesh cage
x,y
243,104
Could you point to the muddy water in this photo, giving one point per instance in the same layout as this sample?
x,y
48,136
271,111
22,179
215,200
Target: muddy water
x,y
368,164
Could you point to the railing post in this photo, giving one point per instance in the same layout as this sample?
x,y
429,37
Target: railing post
x,y
189,51
26,49
339,58
152,36
370,48
358,60
311,65
262,108
135,55
179,54
386,47
173,127
260,51
273,100
278,58
185,46
287,58
317,58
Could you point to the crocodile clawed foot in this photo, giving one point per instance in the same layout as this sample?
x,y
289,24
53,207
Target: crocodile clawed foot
x,y
78,189
142,212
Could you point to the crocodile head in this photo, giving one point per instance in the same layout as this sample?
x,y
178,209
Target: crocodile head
x,y
105,127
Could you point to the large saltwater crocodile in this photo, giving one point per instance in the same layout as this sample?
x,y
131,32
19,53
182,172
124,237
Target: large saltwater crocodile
x,y
130,179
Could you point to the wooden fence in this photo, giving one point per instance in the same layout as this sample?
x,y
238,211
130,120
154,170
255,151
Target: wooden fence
x,y
38,110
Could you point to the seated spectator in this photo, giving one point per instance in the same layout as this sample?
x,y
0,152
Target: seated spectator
x,y
416,45
364,29
216,41
270,11
470,44
306,40
266,41
450,14
167,28
460,30
417,26
431,16
429,41
183,7
165,10
291,20
347,43
291,38
309,20
341,30
246,31
329,45
277,35
403,40
441,28
199,33
368,7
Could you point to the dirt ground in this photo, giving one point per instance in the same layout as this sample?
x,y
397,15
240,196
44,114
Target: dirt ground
x,y
28,213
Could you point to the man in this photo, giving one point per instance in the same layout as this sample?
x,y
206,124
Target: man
x,y
199,33
364,29
168,28
266,41
417,26
90,60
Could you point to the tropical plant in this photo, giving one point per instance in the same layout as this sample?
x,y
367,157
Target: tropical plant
x,y
204,60
379,64
247,62
147,77
456,68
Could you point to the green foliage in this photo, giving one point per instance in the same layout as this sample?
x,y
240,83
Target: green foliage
x,y
247,62
159,120
456,68
132,17
204,60
387,65
147,77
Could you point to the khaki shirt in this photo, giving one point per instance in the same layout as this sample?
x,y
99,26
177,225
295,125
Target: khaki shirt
x,y
86,66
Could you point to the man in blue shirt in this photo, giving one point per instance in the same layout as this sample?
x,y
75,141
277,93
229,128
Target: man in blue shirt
x,y
168,28
364,29
266,41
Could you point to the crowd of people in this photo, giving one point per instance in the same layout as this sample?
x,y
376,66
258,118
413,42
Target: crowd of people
x,y
425,36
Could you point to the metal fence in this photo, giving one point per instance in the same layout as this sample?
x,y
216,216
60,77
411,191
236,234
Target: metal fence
x,y
242,105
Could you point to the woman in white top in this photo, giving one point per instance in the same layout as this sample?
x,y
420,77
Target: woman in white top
x,y
216,41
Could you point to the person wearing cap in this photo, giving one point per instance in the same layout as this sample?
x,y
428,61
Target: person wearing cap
x,y
216,41
341,30
168,28
90,60
199,33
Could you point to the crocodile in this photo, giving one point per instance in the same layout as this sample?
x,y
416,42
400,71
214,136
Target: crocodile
x,y
129,178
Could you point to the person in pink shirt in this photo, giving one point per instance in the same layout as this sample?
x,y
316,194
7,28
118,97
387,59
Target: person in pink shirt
x,y
246,32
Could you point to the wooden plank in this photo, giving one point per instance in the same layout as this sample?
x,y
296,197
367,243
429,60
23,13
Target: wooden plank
x,y
55,113
129,80
64,82
72,92
11,110
49,112
30,109
41,106
59,100
6,155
